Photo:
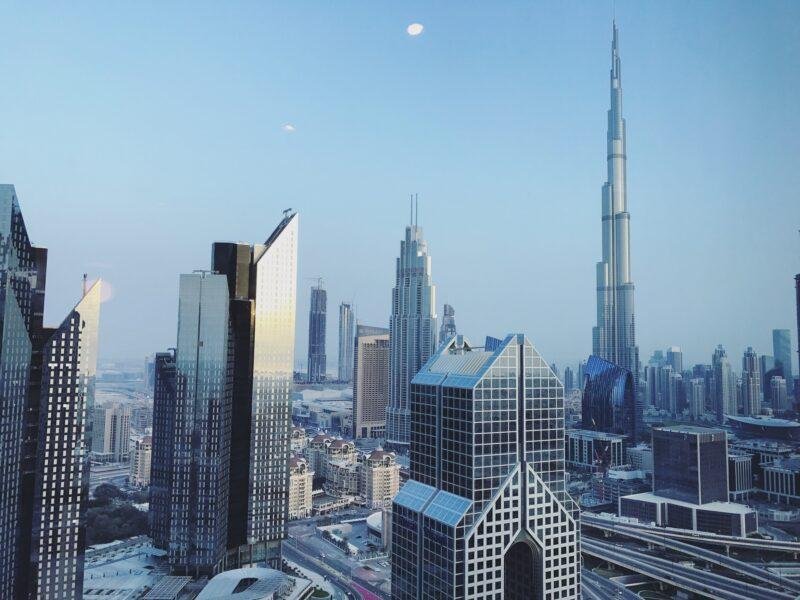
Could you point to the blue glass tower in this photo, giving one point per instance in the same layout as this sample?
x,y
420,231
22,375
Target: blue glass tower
x,y
609,399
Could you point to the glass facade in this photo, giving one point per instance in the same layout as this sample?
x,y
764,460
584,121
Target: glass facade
x,y
202,429
609,400
65,438
690,464
487,469
317,316
345,342
164,397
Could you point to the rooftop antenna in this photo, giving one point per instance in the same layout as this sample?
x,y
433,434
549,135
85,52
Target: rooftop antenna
x,y
85,285
287,212
411,214
416,209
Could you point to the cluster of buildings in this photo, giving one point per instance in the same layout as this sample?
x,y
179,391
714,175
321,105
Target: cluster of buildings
x,y
328,473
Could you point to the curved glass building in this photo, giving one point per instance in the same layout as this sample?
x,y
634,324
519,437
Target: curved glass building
x,y
609,399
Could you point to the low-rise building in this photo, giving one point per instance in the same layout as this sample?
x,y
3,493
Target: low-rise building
x,y
140,462
299,440
300,488
740,475
341,477
641,457
782,481
588,449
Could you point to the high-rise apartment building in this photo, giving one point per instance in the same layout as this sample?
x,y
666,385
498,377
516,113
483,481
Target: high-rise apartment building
x,y
69,363
262,287
111,433
448,329
614,337
609,400
569,379
316,334
724,385
696,397
141,462
379,478
301,480
412,331
779,395
486,502
161,466
370,381
345,342
751,384
675,359
202,428
782,350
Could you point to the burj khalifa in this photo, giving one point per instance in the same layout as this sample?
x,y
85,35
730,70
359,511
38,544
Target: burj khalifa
x,y
614,337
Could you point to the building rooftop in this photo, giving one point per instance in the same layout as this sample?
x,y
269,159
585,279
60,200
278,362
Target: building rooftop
x,y
791,464
765,422
726,507
693,429
253,583
595,435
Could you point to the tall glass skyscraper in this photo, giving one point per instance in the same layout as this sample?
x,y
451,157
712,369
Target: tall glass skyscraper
x,y
161,467
448,329
316,334
782,351
751,383
61,491
485,514
724,385
614,337
202,434
412,331
345,342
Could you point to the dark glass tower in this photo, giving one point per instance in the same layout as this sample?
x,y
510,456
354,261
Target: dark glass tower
x,y
609,400
164,396
485,513
69,362
262,288
316,334
690,464
797,305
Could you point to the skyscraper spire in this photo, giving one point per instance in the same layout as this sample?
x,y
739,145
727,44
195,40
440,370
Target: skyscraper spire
x,y
614,337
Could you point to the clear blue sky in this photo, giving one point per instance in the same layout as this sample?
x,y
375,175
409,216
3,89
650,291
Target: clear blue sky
x,y
139,133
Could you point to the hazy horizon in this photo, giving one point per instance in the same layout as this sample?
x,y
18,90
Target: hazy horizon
x,y
138,135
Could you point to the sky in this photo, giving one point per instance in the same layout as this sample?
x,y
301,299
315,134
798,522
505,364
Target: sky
x,y
139,133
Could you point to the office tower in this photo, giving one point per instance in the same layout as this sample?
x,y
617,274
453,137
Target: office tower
x,y
370,381
569,380
797,309
486,502
345,342
379,478
779,394
448,329
609,400
675,359
164,397
58,536
724,385
202,432
581,375
412,331
18,282
690,464
766,364
782,349
316,334
751,384
696,396
111,433
614,337
262,288
141,462
301,481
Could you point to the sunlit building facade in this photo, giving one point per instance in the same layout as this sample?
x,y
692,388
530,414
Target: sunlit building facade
x,y
485,514
370,381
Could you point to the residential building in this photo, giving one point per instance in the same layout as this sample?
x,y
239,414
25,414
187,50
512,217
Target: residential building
x,y
301,479
317,315
779,395
345,342
751,384
412,331
299,441
111,434
594,450
674,359
486,502
141,461
379,478
370,381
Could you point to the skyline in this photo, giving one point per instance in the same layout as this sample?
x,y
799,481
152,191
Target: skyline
x,y
738,304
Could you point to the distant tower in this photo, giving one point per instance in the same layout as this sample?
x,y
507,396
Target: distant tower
x,y
675,359
448,329
164,395
412,330
614,337
751,384
316,333
724,385
569,380
345,342
370,381
782,351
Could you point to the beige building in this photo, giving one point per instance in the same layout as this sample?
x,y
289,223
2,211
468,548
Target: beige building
x,y
370,381
299,440
300,488
317,452
140,462
380,479
111,433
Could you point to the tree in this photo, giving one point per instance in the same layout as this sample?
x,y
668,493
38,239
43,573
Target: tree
x,y
108,492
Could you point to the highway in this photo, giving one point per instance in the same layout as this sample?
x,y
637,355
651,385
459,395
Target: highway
x,y
597,587
698,537
694,580
709,556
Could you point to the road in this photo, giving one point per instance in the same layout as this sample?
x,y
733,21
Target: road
x,y
597,587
